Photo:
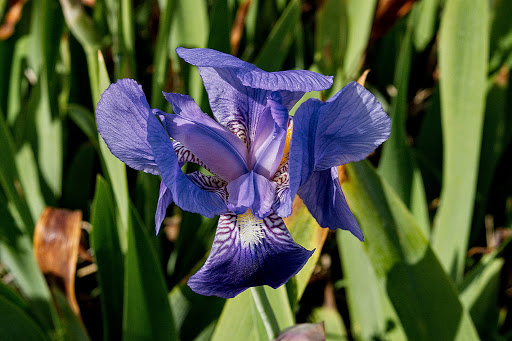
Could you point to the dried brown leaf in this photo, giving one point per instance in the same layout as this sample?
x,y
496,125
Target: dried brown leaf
x,y
11,18
56,242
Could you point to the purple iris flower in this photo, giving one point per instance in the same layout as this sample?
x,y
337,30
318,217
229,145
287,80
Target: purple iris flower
x,y
253,167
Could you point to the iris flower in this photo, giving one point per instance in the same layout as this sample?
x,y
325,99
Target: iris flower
x,y
256,157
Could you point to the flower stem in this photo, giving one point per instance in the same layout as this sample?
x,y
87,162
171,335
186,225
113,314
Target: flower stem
x,y
266,312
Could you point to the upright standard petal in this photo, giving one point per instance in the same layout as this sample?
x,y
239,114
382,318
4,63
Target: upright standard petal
x,y
346,128
325,201
200,134
350,126
238,90
185,193
254,77
270,138
248,252
121,116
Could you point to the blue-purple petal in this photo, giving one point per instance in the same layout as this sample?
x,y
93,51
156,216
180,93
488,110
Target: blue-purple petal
x,y
351,125
164,200
270,138
220,150
121,116
252,76
263,254
301,160
283,202
251,191
325,201
238,90
187,195
346,128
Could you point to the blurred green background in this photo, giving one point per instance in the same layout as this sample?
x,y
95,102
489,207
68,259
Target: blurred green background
x,y
434,202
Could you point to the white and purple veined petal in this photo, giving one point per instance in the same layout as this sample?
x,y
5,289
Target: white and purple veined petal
x,y
248,252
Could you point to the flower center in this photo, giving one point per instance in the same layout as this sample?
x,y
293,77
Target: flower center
x,y
251,231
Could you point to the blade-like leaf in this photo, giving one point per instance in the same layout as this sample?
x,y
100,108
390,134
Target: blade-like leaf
x,y
16,324
109,259
333,323
147,313
331,36
397,165
479,295
189,28
29,178
16,253
73,329
400,253
192,320
84,119
463,54
248,323
496,136
371,312
359,25
501,36
9,177
275,49
221,22
425,14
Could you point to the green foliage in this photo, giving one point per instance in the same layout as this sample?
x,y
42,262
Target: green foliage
x,y
438,198
463,56
146,311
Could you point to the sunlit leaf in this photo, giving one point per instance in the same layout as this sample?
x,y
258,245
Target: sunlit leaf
x,y
371,312
359,24
401,255
274,51
397,164
463,54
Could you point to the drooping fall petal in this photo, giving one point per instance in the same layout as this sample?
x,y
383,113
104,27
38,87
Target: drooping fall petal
x,y
248,252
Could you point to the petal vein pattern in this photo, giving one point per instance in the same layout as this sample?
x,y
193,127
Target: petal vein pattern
x,y
265,254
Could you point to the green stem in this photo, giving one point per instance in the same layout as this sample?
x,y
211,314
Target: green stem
x,y
266,312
